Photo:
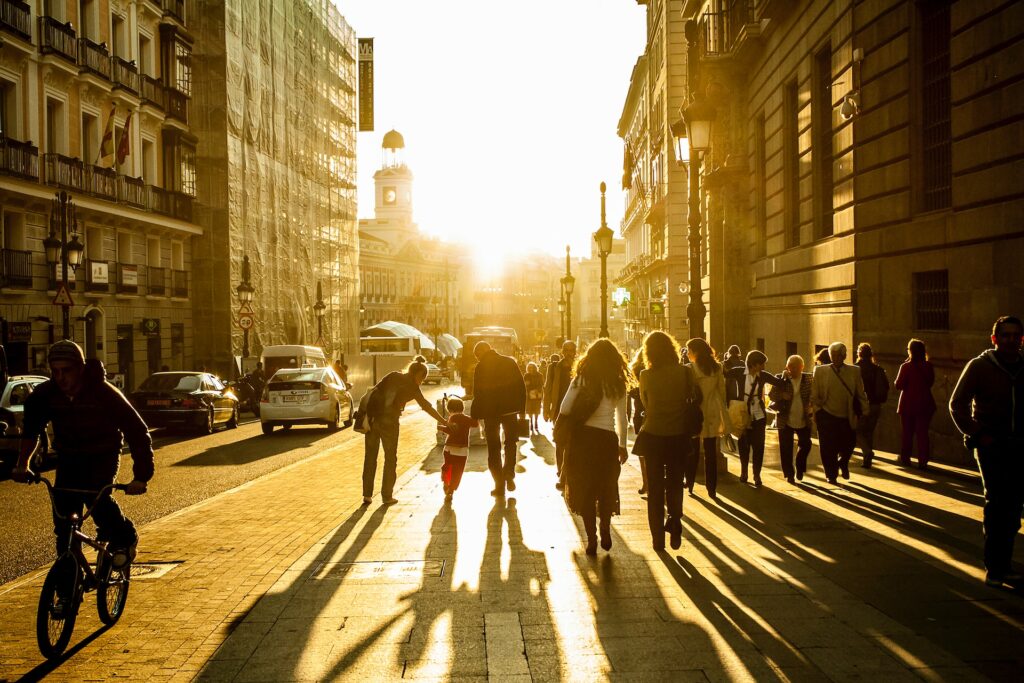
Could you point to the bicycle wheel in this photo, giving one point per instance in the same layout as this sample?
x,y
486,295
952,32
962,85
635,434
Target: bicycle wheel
x,y
53,625
112,593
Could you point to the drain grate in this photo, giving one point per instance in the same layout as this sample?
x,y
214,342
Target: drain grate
x,y
151,570
394,569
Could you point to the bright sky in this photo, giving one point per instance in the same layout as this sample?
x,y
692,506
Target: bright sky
x,y
509,113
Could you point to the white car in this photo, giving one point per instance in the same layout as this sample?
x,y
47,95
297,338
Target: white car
x,y
434,374
296,396
12,408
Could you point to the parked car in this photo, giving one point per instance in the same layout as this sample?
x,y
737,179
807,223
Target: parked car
x,y
185,399
434,374
305,396
12,409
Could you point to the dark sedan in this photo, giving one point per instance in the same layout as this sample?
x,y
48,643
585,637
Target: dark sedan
x,y
186,399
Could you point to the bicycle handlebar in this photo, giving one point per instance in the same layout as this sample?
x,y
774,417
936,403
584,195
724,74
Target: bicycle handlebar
x,y
40,479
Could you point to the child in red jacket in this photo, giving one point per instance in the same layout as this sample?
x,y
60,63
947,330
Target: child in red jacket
x,y
456,446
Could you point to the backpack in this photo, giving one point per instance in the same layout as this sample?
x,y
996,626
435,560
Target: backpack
x,y
881,385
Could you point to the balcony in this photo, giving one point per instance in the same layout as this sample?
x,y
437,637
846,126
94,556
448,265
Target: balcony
x,y
15,268
58,38
152,91
19,159
101,182
124,74
16,17
176,105
156,281
725,31
176,9
127,278
181,206
179,284
131,191
63,171
94,58
96,275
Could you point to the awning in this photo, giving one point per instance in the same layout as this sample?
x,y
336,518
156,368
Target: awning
x,y
390,328
448,345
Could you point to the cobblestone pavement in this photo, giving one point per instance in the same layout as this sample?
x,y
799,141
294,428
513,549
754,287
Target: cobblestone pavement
x,y
290,578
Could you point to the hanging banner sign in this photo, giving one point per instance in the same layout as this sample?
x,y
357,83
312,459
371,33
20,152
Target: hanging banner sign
x,y
99,272
19,332
365,84
657,308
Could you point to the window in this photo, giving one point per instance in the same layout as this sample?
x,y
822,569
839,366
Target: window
x,y
177,256
790,349
791,163
90,138
55,126
117,34
760,344
8,109
931,300
149,162
761,186
821,105
145,55
94,243
183,68
14,231
88,20
935,131
188,171
153,252
124,247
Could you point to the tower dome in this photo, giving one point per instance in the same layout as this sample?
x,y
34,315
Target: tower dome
x,y
393,140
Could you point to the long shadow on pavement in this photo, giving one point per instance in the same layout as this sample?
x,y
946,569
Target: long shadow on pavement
x,y
254,448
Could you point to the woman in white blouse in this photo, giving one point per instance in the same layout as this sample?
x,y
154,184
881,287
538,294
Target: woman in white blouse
x,y
596,405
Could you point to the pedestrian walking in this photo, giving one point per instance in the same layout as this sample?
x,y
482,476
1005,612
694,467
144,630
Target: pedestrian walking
x,y
559,376
733,359
876,387
987,406
837,397
384,408
635,413
456,445
499,396
711,381
595,403
792,405
822,358
747,384
534,395
916,405
665,384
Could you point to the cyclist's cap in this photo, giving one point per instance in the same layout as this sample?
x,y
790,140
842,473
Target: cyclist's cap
x,y
66,350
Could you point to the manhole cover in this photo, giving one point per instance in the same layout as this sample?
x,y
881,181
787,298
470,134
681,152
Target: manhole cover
x,y
398,569
151,570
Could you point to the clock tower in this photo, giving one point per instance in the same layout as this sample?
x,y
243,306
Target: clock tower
x,y
393,182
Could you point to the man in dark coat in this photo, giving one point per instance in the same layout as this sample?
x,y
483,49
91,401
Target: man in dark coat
x,y
559,376
499,396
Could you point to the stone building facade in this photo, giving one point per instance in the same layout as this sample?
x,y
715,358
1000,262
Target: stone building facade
x,y
588,281
66,68
863,182
275,118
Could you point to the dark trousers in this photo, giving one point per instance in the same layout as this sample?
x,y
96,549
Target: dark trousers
x,y
665,481
111,524
1002,475
803,436
710,445
383,431
752,440
452,469
507,425
915,425
559,456
866,431
835,441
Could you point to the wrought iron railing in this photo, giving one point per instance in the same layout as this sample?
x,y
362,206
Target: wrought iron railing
x,y
156,280
94,57
19,158
63,171
131,191
17,268
179,283
124,74
16,16
722,27
157,200
101,182
152,91
127,278
57,37
175,8
181,206
97,279
177,105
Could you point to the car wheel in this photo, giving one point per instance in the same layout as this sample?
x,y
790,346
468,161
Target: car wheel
x,y
268,427
207,426
233,422
335,422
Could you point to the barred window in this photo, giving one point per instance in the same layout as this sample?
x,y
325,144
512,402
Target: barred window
x,y
936,107
761,186
931,300
791,160
821,110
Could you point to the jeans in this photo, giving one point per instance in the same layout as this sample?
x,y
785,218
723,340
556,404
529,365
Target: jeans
x,y
803,436
111,524
665,484
915,425
835,441
501,473
752,440
383,430
1002,475
866,431
710,445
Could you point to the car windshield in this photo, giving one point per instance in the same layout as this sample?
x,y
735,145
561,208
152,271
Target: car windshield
x,y
313,375
171,383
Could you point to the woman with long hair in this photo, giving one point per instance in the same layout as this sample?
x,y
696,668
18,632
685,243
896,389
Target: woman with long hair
x,y
916,405
665,384
711,380
635,411
595,403
534,395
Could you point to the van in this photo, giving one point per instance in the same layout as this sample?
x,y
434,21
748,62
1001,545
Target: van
x,y
291,356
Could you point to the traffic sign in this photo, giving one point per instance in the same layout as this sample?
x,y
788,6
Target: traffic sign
x,y
63,297
245,308
245,321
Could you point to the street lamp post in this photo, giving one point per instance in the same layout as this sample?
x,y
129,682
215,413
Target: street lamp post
x,y
568,283
245,291
60,251
319,308
561,315
604,238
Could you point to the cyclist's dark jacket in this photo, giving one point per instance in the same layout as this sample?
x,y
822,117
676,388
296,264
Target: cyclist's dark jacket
x,y
87,432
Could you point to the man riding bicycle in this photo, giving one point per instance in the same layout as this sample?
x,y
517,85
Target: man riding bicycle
x,y
89,417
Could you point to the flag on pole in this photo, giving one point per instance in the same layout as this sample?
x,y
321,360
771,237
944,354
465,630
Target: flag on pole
x,y
124,144
107,142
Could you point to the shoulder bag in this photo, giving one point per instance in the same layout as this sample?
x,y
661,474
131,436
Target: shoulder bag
x,y
739,412
858,410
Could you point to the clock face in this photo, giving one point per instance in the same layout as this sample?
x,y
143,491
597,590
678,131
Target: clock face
x,y
390,195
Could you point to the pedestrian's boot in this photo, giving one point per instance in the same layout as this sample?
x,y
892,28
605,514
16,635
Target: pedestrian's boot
x,y
743,473
606,534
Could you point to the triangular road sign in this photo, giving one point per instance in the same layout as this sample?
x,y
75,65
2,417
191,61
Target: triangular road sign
x,y
63,297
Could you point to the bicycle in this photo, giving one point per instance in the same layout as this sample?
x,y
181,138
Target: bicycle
x,y
59,602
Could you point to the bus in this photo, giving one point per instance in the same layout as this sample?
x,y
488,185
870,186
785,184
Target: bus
x,y
504,340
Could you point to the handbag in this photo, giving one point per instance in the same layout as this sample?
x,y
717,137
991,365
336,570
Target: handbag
x,y
739,416
693,416
522,428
